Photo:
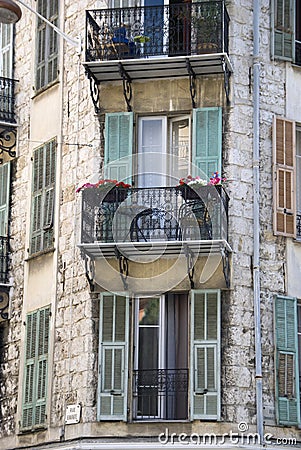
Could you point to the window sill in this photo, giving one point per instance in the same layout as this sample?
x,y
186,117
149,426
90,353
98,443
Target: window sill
x,y
41,253
45,88
32,430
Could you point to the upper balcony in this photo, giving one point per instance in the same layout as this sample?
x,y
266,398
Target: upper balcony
x,y
3,260
7,117
157,41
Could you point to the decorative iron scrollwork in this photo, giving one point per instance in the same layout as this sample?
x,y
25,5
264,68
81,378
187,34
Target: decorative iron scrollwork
x,y
123,267
4,304
190,265
227,74
192,86
127,86
90,272
226,266
8,138
94,91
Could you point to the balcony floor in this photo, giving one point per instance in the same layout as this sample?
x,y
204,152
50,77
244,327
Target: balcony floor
x,y
159,67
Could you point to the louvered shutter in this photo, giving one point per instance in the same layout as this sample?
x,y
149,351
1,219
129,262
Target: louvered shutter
x,y
48,203
287,372
206,141
283,39
284,170
6,50
4,198
113,357
205,355
36,364
118,146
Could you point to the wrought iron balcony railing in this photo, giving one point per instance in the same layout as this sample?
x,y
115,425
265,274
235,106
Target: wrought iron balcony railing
x,y
7,100
160,394
298,233
169,30
3,259
154,214
298,53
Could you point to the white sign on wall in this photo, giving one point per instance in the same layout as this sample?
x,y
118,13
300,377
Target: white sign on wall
x,y
72,414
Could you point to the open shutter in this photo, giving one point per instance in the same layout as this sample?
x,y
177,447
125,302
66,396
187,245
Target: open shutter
x,y
284,169
6,50
287,376
36,363
4,198
113,357
118,146
48,204
37,198
283,39
205,355
207,141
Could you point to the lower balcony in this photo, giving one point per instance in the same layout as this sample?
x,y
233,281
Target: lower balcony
x,y
139,231
160,394
3,259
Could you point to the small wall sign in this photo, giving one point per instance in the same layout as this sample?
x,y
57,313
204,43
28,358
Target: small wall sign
x,y
72,414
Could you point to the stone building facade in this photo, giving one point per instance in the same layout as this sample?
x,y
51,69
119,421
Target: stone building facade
x,y
157,319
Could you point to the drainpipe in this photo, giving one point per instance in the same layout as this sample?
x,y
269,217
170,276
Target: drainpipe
x,y
256,269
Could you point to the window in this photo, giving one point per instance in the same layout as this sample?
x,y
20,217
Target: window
x,y
35,373
47,44
284,143
42,207
176,344
4,216
286,362
298,179
167,147
286,30
6,51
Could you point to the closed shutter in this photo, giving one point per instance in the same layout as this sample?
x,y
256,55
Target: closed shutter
x,y
284,169
36,364
205,355
113,357
287,372
118,146
47,44
43,192
207,141
4,198
6,51
283,39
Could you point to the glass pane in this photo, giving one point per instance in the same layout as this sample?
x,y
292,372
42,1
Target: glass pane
x,y
149,311
180,139
152,153
148,348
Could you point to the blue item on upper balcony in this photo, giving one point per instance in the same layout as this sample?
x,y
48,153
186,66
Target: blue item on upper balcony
x,y
120,38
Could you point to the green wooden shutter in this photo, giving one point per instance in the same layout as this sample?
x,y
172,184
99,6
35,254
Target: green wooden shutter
x,y
36,364
4,198
43,191
283,38
119,146
287,372
113,357
207,141
205,355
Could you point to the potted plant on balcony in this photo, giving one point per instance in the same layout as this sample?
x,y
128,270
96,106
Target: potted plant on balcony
x,y
191,187
207,26
111,191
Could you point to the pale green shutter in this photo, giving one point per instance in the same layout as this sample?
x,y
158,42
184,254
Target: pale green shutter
x,y
207,141
118,146
283,39
43,191
287,372
6,51
4,198
113,357
36,363
205,355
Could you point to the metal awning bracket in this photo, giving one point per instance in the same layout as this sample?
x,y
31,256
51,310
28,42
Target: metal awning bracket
x,y
94,91
226,265
123,267
227,74
192,84
190,264
127,86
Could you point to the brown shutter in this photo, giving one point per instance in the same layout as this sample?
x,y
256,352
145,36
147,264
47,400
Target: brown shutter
x,y
284,171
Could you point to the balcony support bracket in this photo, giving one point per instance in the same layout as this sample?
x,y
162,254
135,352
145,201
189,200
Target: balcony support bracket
x,y
4,303
127,86
123,267
192,79
227,74
226,266
94,91
8,137
190,264
90,272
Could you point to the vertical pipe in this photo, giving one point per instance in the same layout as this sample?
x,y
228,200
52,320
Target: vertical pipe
x,y
256,223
